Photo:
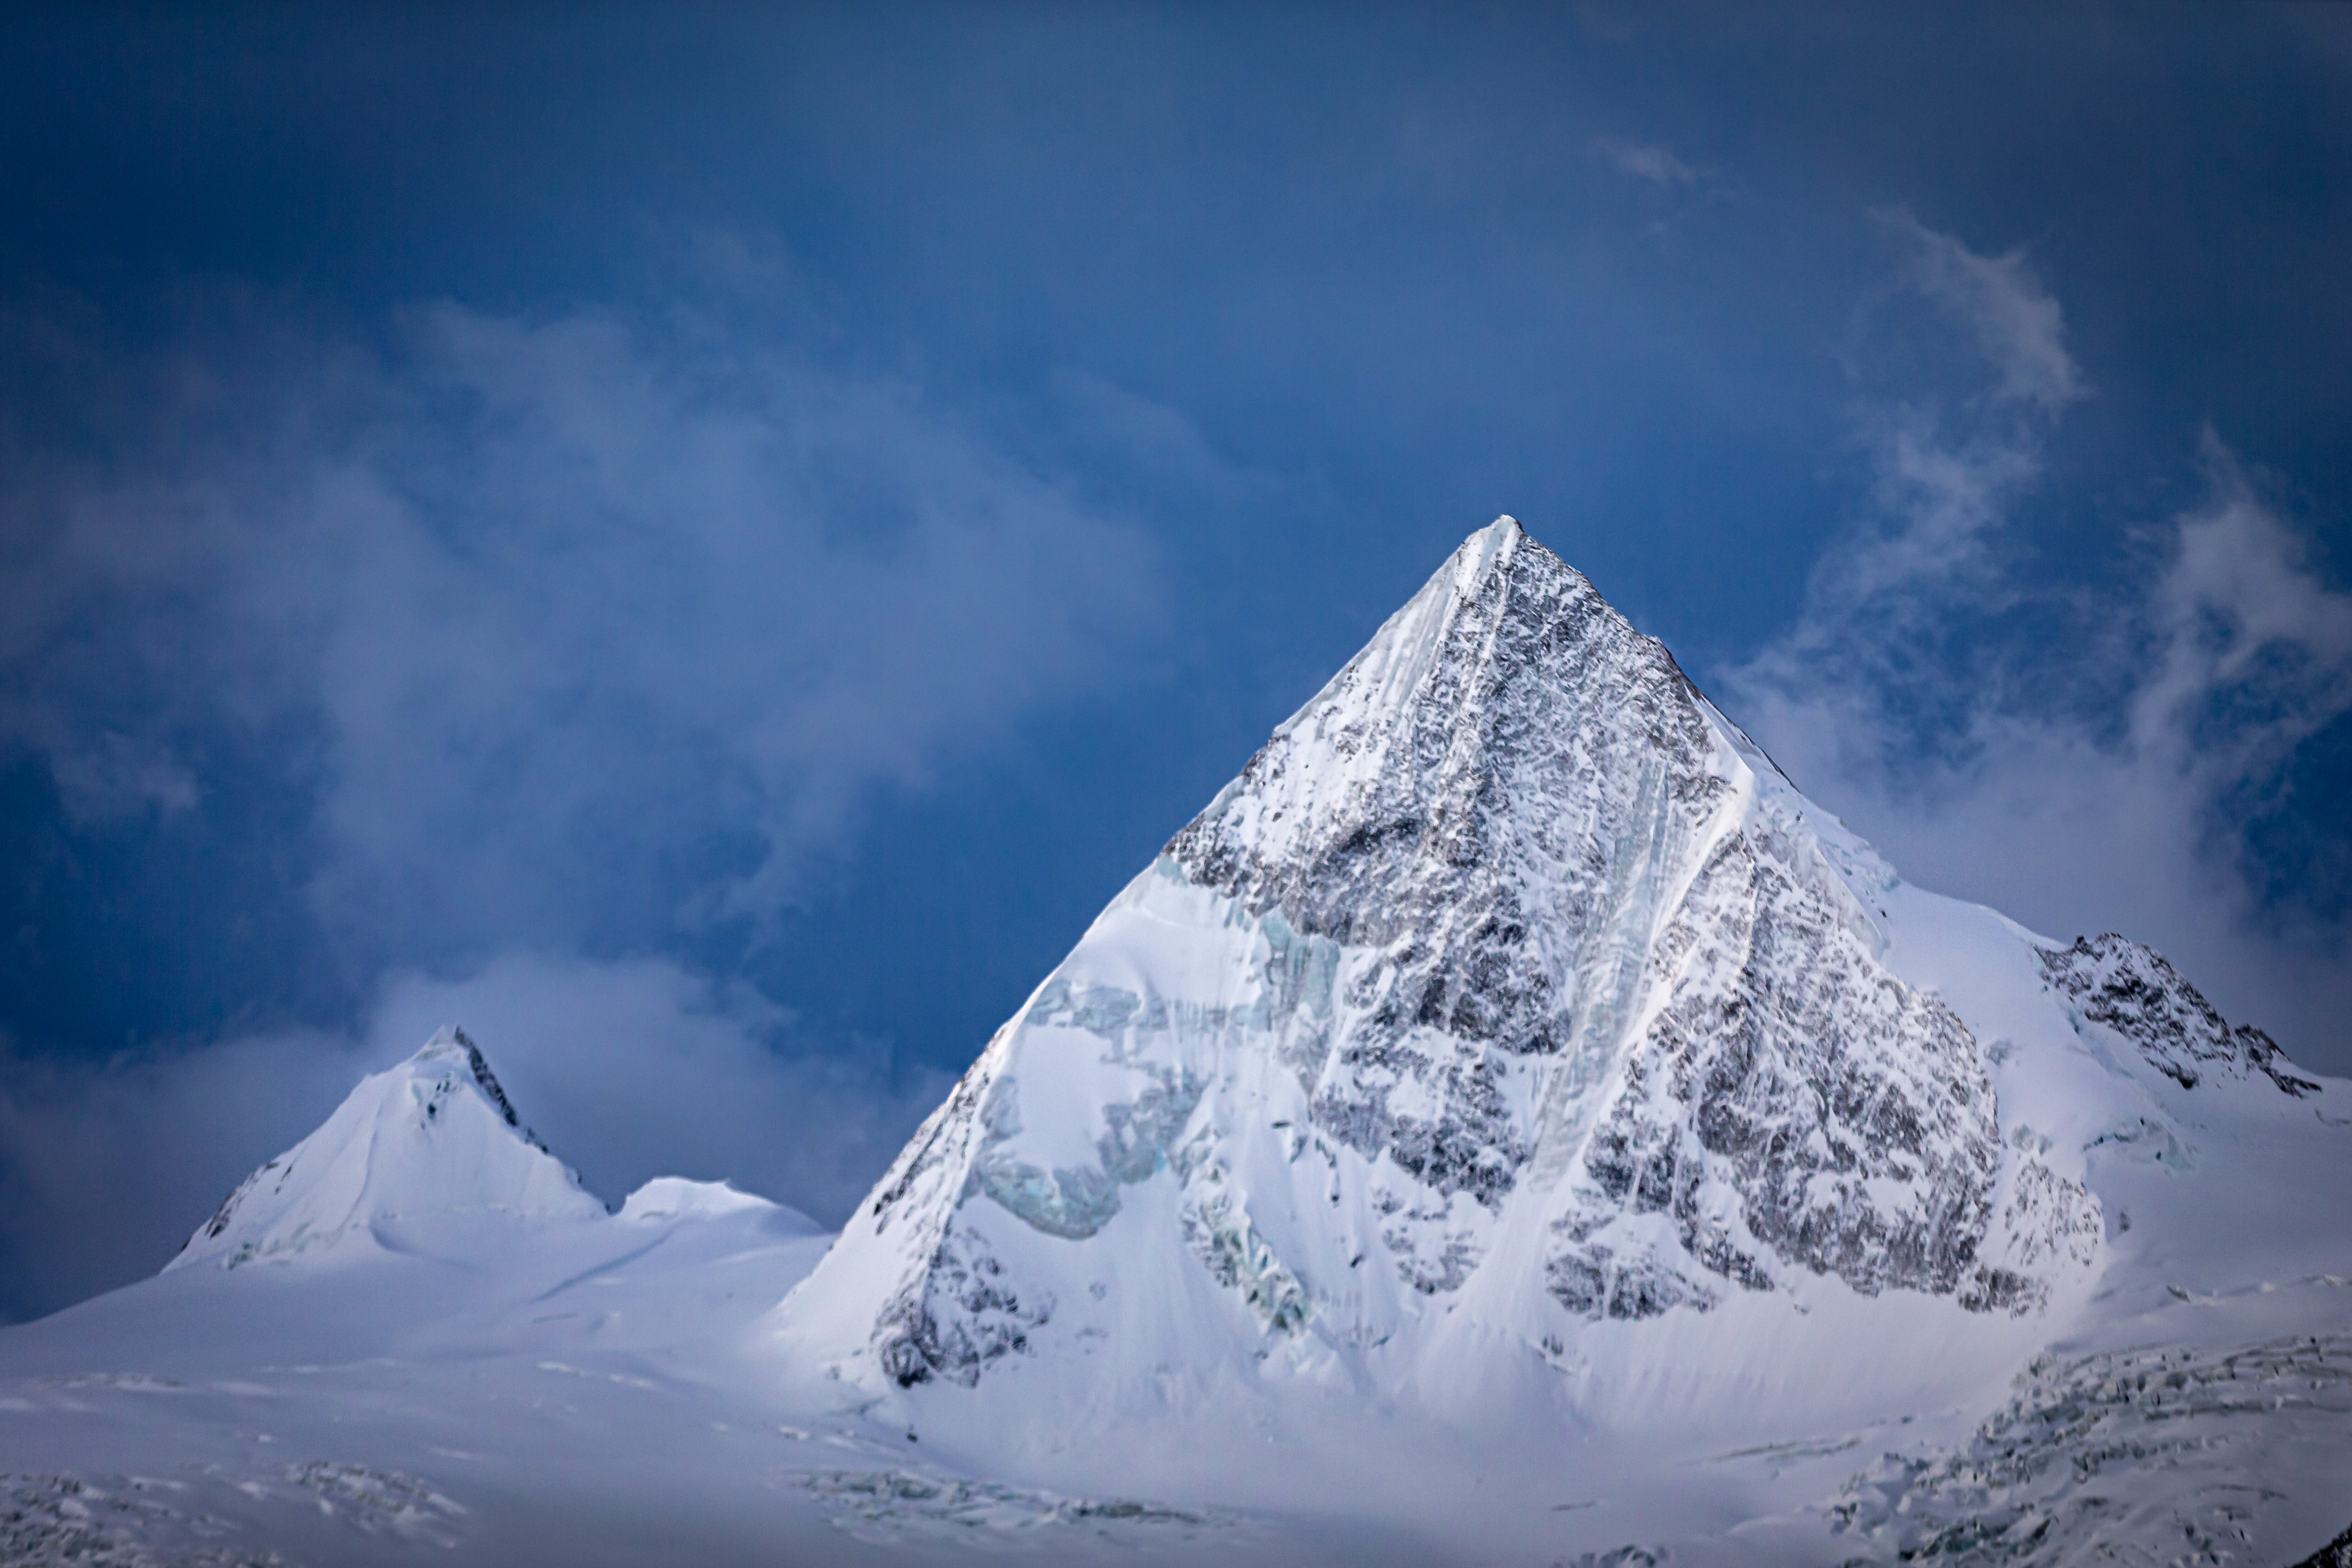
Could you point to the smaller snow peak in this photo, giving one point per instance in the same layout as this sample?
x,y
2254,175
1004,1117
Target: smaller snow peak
x,y
430,1139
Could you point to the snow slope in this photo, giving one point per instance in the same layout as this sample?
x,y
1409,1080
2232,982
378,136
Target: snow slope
x,y
514,1378
1511,1125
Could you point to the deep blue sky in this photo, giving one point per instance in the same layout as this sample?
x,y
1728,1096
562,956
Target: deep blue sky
x,y
705,544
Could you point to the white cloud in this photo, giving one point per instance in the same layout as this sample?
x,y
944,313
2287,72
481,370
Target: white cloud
x,y
2240,594
2017,323
2114,799
1943,481
1944,475
597,620
566,634
1653,161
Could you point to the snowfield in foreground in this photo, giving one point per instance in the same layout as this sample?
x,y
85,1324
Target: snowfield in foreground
x,y
1511,1125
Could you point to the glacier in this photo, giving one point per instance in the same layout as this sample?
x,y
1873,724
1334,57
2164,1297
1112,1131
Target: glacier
x,y
1511,1123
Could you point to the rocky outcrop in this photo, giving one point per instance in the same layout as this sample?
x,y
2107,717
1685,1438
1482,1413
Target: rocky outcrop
x,y
2132,990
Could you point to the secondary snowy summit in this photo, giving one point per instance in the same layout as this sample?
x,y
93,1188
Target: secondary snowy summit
x,y
417,1144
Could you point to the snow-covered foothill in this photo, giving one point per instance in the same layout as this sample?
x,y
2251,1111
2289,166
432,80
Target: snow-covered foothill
x,y
667,1198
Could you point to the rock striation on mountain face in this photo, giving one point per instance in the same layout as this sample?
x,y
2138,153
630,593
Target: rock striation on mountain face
x,y
2131,989
1508,974
433,1137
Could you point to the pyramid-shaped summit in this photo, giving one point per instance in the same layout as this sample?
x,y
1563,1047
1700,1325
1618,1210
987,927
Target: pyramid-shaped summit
x,y
1509,993
428,1141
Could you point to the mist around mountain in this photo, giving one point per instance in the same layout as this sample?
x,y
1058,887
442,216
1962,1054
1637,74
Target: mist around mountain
x,y
1510,1123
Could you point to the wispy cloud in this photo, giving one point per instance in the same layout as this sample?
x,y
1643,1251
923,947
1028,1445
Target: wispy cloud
x,y
1651,160
588,633
1945,473
607,619
2117,795
2017,324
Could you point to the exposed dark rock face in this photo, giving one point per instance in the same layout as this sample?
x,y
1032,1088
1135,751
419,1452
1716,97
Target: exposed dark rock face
x,y
983,1317
2336,1553
959,1312
2132,990
489,1080
1790,1069
1470,845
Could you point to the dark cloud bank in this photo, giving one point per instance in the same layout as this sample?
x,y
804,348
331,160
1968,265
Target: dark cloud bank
x,y
723,676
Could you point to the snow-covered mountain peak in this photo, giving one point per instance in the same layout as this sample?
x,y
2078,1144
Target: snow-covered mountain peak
x,y
1511,1123
449,1043
1508,991
432,1138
